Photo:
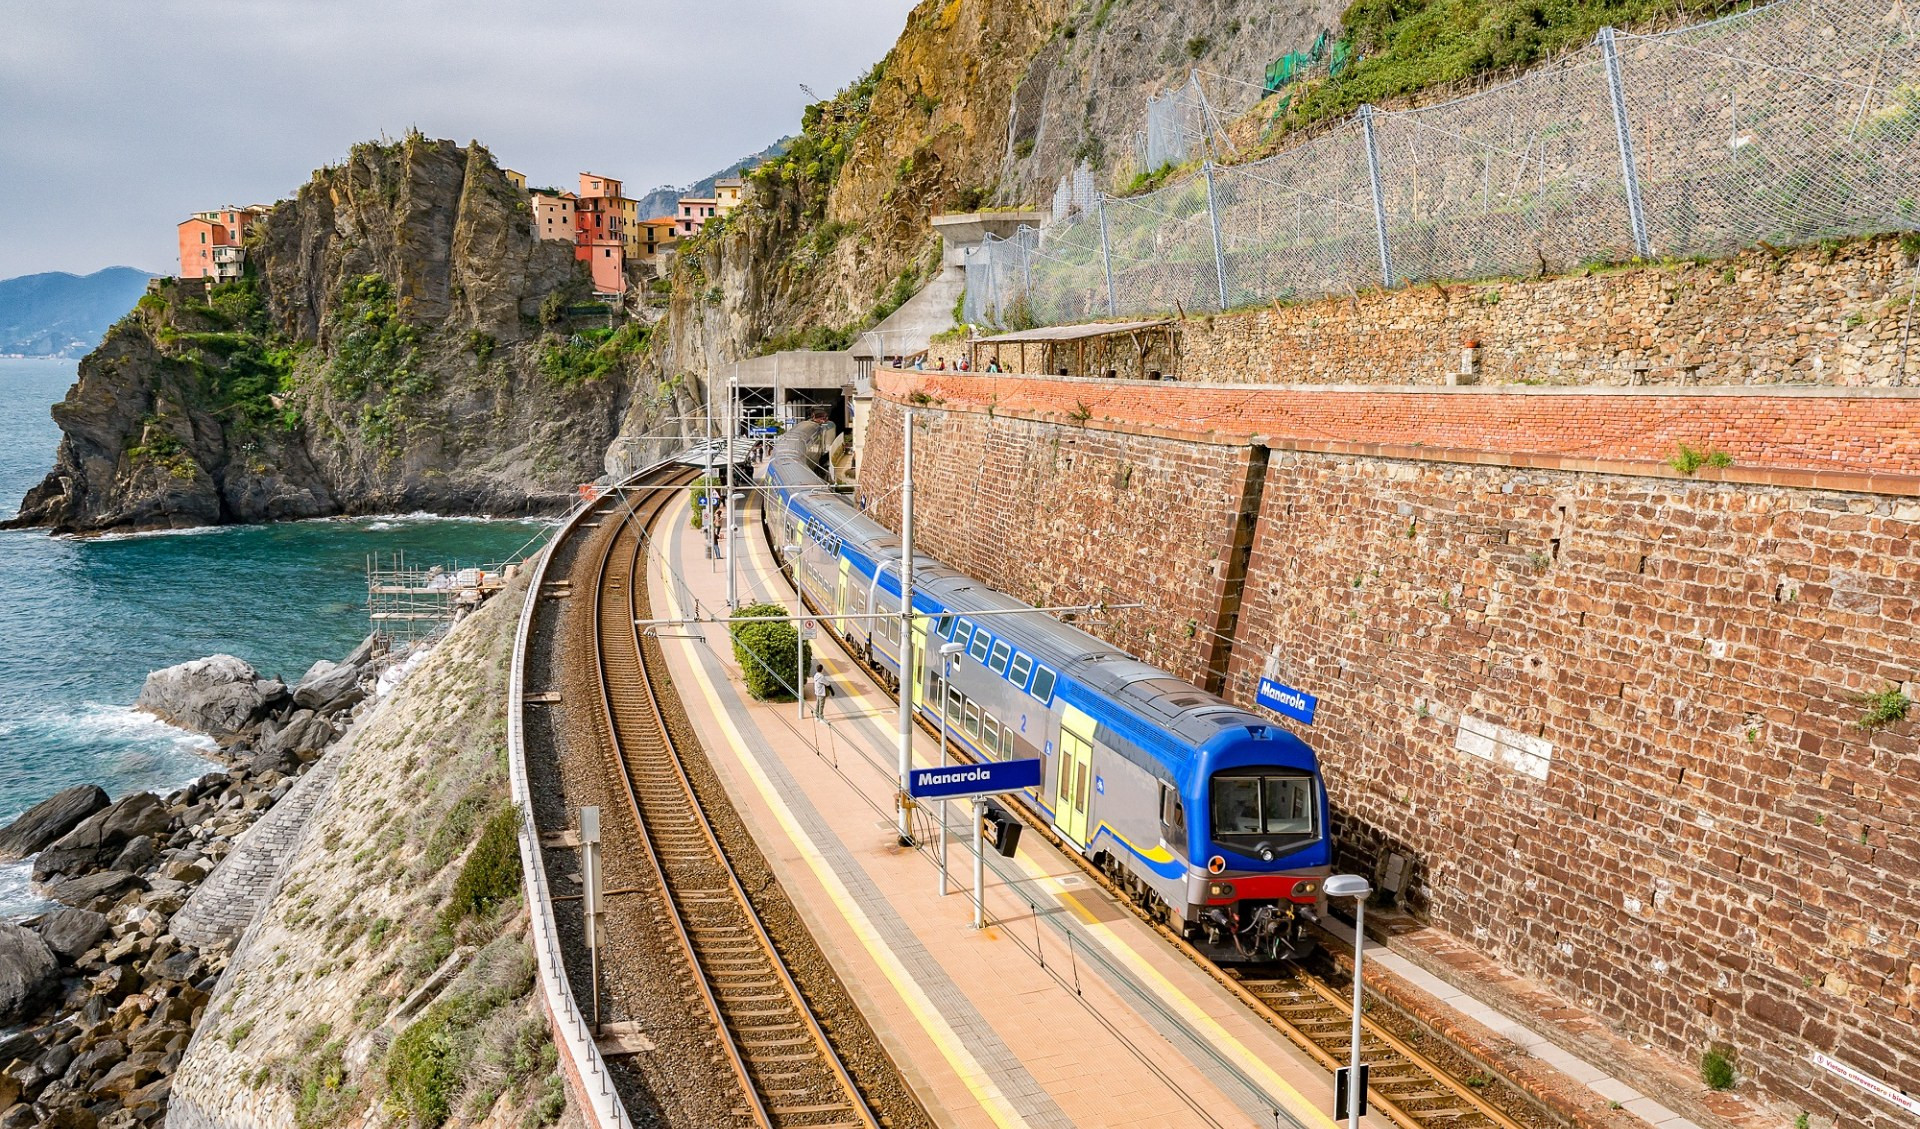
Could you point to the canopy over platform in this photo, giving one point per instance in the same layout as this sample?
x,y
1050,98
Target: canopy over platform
x,y
1135,350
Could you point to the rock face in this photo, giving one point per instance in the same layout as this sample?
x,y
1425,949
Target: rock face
x,y
27,970
389,350
49,819
219,695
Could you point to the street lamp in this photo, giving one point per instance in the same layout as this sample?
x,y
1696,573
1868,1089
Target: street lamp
x,y
1358,888
947,651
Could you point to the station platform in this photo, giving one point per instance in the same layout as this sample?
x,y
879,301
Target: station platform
x,y
1065,1010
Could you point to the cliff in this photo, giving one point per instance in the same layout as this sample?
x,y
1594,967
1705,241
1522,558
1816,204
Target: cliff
x,y
401,342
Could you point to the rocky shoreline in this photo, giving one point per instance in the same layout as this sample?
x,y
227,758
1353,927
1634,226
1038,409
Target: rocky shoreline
x,y
102,995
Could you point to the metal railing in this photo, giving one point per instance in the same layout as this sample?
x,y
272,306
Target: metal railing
x,y
1785,124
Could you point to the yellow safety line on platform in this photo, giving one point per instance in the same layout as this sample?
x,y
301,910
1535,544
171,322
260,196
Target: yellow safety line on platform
x,y
965,1066
1202,1023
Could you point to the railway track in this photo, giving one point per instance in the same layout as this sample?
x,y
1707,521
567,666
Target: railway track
x,y
788,1072
1406,1085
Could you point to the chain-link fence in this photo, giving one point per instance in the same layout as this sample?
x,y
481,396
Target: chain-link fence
x,y
1784,124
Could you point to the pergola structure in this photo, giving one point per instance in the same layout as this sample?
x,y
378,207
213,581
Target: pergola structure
x,y
1134,350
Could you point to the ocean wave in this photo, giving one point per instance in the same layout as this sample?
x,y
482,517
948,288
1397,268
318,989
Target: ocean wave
x,y
17,896
190,531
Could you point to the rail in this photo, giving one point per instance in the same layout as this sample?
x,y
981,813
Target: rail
x,y
580,1058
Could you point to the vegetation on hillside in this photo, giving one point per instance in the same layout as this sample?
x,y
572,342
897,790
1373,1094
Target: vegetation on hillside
x,y
1406,46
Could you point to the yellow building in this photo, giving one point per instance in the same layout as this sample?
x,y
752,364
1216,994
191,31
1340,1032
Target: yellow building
x,y
517,178
728,191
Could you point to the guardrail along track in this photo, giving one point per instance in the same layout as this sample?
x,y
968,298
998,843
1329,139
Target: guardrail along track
x,y
789,1073
1404,1085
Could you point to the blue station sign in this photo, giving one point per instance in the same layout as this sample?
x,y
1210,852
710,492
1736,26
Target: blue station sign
x,y
1281,699
983,779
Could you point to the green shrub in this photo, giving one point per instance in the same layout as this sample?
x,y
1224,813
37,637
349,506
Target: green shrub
x,y
767,653
1883,709
697,491
423,1068
492,871
1716,1069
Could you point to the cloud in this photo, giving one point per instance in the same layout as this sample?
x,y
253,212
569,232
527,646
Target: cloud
x,y
123,116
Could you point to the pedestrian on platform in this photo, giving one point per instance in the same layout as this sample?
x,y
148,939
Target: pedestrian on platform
x,y
822,690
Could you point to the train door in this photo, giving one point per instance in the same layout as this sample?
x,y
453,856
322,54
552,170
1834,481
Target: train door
x,y
919,665
840,597
1076,776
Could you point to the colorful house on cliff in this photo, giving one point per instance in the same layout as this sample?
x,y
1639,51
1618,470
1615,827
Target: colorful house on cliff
x,y
553,216
211,243
655,239
695,211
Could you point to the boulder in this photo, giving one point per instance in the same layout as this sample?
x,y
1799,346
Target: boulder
x,y
28,971
90,891
304,732
99,838
71,932
137,855
218,696
180,968
328,687
48,820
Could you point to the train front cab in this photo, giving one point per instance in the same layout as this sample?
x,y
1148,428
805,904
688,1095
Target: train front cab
x,y
1255,821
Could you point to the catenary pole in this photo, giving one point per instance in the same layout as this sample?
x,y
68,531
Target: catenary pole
x,y
906,630
733,594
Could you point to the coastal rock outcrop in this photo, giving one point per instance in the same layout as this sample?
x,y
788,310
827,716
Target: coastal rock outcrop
x,y
49,819
401,342
219,695
28,970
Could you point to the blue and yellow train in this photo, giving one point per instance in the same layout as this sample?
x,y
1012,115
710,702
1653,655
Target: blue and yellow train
x,y
1202,811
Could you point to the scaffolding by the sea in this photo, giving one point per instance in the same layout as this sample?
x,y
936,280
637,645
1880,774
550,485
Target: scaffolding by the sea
x,y
408,601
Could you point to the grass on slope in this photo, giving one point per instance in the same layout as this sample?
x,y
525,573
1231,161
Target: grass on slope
x,y
1407,46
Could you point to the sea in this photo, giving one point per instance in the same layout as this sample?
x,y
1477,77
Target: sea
x,y
82,621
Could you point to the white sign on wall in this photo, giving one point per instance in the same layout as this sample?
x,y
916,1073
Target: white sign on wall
x,y
1510,747
1868,1083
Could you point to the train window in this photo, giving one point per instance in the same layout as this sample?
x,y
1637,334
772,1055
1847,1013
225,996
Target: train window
x,y
953,705
945,627
961,632
981,641
971,722
1006,743
1021,670
998,663
990,735
1043,684
1173,817
1277,805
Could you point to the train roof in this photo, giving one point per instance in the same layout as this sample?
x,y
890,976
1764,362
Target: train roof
x,y
1155,695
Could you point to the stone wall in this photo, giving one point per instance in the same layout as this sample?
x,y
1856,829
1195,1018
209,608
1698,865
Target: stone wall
x,y
1833,314
1610,714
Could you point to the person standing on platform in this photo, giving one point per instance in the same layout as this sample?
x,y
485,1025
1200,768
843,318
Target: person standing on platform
x,y
822,690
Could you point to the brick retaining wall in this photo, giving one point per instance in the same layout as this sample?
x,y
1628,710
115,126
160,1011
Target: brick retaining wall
x,y
1833,315
1607,712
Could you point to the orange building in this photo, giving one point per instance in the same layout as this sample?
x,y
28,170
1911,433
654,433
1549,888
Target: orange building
x,y
212,243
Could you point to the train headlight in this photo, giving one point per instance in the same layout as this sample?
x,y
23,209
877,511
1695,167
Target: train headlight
x,y
1305,889
1216,864
1219,889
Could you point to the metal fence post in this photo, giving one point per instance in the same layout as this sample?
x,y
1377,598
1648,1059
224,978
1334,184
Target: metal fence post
x,y
1106,251
1219,250
1025,235
1629,174
1379,197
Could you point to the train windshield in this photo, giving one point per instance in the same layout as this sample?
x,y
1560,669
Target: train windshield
x,y
1274,806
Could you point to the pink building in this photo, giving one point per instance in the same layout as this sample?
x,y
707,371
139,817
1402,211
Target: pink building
x,y
695,211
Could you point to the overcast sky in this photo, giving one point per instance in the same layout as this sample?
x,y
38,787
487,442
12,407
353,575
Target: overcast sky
x,y
120,117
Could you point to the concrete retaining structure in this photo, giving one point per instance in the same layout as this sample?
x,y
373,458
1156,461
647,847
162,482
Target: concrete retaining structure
x,y
1609,718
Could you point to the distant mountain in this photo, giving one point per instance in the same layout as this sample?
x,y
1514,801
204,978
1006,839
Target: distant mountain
x,y
65,315
663,201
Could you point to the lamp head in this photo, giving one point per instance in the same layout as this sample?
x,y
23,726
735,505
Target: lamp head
x,y
1347,886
